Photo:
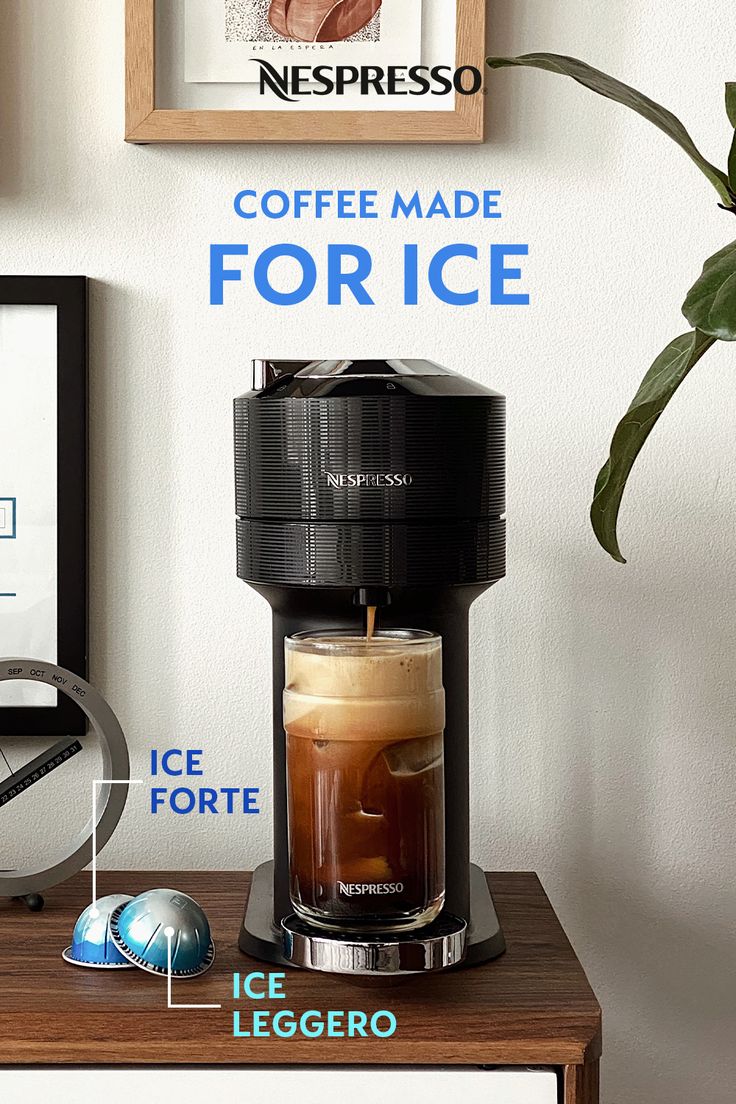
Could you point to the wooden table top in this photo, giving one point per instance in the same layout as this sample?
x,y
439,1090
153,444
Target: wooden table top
x,y
532,1005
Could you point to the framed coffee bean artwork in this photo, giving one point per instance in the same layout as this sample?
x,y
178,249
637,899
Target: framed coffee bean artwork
x,y
305,71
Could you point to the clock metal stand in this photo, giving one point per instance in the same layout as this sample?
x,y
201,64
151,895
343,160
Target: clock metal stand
x,y
27,886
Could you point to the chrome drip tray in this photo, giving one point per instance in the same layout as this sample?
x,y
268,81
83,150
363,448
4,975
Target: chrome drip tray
x,y
437,946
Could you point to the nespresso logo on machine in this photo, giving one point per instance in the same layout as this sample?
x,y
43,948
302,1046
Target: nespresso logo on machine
x,y
365,479
357,889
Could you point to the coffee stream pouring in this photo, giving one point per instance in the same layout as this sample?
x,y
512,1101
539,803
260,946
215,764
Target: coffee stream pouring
x,y
370,501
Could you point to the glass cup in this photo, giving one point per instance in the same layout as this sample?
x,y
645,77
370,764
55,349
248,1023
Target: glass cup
x,y
364,724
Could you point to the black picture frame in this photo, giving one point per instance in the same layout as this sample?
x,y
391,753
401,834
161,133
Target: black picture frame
x,y
69,294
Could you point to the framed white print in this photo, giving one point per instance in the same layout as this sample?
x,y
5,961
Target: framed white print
x,y
28,481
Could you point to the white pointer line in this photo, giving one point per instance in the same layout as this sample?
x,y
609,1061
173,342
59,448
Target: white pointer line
x,y
169,933
103,782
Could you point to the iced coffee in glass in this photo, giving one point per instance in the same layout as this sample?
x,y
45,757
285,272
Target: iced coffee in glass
x,y
364,720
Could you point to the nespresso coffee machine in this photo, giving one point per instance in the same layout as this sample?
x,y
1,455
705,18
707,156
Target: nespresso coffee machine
x,y
370,505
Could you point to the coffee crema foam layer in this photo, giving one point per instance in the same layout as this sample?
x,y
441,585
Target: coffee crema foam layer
x,y
353,688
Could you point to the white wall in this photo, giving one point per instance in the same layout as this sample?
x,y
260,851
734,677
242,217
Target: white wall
x,y
603,696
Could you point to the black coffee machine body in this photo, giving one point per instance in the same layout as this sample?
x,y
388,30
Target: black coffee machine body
x,y
372,483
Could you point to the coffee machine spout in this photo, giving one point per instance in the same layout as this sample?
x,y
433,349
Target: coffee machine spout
x,y
372,596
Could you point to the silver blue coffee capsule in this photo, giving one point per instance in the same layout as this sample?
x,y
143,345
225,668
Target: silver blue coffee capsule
x,y
144,929
92,943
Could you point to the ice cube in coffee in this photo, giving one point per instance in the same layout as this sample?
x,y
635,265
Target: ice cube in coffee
x,y
364,722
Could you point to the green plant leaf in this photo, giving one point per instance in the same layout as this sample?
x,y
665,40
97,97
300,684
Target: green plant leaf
x,y
613,89
655,391
711,302
731,112
731,103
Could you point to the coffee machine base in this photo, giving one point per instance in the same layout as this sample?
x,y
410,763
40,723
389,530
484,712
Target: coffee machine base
x,y
483,939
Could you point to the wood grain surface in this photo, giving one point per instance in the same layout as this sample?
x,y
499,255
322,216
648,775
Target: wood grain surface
x,y
581,1084
531,1006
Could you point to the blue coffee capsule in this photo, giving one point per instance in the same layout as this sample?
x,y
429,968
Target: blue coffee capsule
x,y
92,943
144,929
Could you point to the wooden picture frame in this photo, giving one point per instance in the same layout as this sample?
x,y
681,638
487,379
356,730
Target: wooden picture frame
x,y
145,122
69,295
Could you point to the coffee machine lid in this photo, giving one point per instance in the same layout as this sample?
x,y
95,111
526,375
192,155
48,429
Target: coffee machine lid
x,y
267,372
374,368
